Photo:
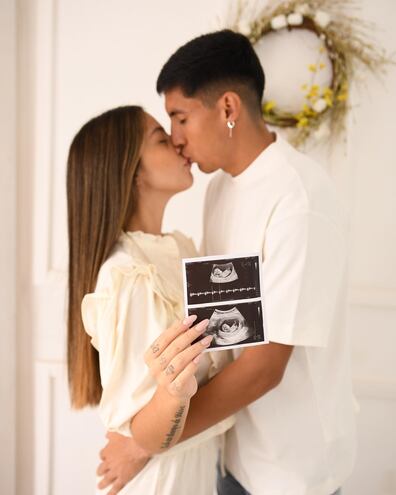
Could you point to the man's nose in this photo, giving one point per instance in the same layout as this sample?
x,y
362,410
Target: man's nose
x,y
177,138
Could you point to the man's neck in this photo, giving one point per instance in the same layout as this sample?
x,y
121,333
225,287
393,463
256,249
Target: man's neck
x,y
250,142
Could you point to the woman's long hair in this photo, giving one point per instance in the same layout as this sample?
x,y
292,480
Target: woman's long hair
x,y
102,163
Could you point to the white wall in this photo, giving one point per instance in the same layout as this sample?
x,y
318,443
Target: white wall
x,y
80,57
373,267
7,243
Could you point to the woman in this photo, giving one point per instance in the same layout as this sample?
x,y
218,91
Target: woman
x,y
126,274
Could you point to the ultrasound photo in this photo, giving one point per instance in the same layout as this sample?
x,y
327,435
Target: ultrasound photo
x,y
222,280
226,290
233,325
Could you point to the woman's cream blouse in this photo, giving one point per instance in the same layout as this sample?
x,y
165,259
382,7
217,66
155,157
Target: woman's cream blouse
x,y
139,294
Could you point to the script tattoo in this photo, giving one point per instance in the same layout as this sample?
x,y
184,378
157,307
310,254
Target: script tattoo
x,y
175,426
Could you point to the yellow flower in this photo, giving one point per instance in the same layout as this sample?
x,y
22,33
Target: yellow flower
x,y
329,100
307,111
313,93
312,67
328,96
303,122
269,106
322,66
342,96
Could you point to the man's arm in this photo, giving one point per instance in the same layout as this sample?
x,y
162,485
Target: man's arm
x,y
256,371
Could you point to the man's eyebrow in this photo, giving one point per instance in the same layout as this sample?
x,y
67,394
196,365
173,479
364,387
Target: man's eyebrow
x,y
159,128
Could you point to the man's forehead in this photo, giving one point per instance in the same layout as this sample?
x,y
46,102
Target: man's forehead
x,y
177,103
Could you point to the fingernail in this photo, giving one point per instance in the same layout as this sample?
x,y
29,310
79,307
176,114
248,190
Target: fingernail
x,y
189,320
197,359
202,325
207,340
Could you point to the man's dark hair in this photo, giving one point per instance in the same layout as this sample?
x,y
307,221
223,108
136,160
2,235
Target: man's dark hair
x,y
214,63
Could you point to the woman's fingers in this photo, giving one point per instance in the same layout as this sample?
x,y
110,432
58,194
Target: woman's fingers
x,y
181,343
168,336
182,360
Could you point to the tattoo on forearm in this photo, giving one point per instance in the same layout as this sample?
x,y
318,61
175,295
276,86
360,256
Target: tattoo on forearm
x,y
175,426
155,348
170,370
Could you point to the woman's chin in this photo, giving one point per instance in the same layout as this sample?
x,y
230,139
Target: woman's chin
x,y
189,182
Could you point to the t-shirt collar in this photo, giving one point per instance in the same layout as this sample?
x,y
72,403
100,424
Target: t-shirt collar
x,y
258,166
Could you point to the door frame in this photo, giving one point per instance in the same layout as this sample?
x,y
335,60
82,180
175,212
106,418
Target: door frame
x,y
8,246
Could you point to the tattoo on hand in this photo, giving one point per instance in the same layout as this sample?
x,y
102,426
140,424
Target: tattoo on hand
x,y
176,422
155,348
170,370
162,361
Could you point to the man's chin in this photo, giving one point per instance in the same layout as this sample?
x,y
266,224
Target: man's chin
x,y
206,168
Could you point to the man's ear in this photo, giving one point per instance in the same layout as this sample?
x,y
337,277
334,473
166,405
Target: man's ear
x,y
230,105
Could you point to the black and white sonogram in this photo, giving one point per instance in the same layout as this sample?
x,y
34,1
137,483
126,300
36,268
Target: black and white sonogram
x,y
219,280
226,290
233,325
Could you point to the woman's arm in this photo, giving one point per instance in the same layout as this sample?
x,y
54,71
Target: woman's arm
x,y
173,362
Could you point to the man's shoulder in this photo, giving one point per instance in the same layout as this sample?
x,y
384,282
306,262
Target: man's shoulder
x,y
303,176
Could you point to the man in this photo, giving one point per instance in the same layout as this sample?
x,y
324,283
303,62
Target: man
x,y
294,431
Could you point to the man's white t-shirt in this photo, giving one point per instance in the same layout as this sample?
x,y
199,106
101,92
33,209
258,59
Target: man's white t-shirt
x,y
299,438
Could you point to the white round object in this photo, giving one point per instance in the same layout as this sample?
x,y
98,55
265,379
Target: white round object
x,y
286,57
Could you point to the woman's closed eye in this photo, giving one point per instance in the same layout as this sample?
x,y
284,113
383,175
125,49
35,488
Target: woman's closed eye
x,y
165,139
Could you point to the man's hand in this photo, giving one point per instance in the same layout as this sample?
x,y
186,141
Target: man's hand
x,y
122,459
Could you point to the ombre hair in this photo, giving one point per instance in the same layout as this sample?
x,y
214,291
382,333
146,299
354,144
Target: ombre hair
x,y
101,199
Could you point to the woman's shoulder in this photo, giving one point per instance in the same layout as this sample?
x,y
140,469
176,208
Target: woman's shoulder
x,y
122,262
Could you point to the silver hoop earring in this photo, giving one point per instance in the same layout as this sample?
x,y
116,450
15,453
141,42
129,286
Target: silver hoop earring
x,y
230,125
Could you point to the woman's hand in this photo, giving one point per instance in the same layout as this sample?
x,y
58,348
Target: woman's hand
x,y
172,359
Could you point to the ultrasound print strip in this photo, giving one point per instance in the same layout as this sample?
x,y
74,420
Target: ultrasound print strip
x,y
221,280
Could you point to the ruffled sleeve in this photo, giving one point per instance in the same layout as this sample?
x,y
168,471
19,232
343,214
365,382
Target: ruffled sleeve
x,y
123,318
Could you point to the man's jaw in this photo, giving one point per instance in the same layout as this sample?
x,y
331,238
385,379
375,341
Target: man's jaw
x,y
191,161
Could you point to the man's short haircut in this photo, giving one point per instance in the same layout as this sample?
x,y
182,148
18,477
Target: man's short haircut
x,y
213,63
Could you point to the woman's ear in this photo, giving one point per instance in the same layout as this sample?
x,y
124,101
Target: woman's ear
x,y
231,106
